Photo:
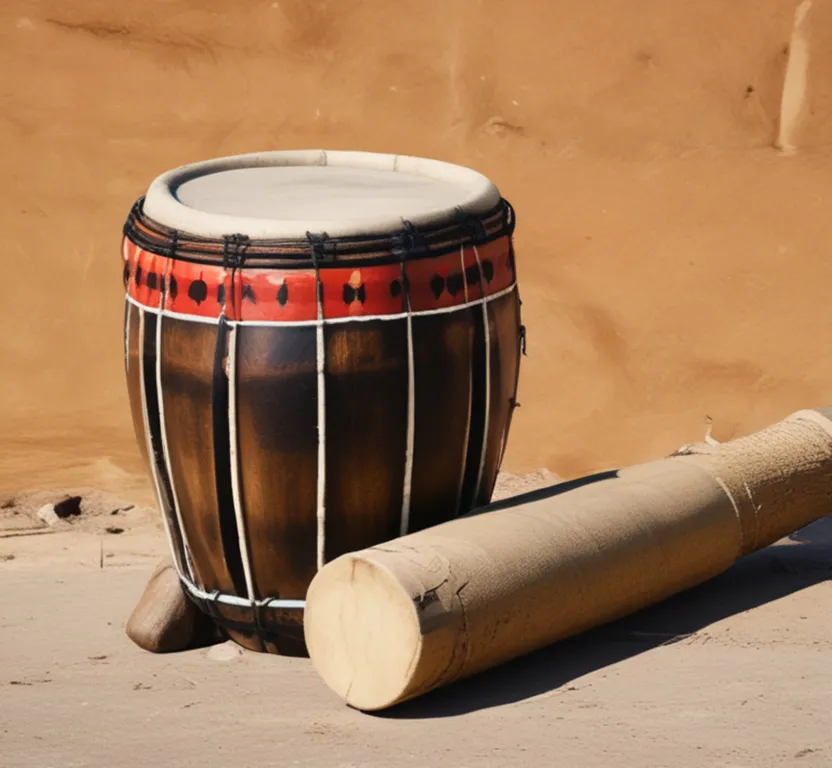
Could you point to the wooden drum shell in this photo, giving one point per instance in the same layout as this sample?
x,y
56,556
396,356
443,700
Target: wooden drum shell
x,y
281,430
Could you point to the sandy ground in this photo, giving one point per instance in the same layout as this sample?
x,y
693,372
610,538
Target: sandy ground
x,y
673,268
732,674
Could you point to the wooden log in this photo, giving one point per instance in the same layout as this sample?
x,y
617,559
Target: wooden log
x,y
397,620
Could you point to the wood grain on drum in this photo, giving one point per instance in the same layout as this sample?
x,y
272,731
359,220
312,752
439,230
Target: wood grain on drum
x,y
503,320
478,404
187,380
277,418
366,432
133,361
230,532
442,356
147,342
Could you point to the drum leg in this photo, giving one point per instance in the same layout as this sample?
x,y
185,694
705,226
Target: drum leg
x,y
166,620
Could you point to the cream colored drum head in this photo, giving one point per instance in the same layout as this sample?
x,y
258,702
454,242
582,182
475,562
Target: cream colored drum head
x,y
287,194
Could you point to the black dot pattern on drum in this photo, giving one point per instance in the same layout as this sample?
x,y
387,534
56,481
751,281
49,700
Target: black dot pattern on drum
x,y
283,294
354,294
198,291
437,285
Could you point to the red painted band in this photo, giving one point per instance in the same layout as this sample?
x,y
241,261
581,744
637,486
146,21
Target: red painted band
x,y
272,295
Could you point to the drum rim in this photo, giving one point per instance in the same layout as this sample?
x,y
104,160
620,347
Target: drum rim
x,y
320,250
162,205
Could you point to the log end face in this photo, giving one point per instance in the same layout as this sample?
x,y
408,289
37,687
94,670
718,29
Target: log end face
x,y
362,632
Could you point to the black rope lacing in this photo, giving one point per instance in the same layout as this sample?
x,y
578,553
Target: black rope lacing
x,y
410,243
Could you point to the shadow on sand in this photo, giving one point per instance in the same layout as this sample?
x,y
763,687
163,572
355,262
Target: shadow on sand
x,y
545,493
792,564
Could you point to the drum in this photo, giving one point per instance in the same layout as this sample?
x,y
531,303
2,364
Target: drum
x,y
322,353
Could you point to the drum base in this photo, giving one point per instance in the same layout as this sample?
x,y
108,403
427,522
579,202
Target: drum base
x,y
167,619
267,630
278,645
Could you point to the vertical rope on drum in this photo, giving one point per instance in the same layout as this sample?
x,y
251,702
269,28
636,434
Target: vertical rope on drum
x,y
464,271
233,445
471,373
160,404
409,243
154,471
234,256
317,247
125,253
411,410
464,469
487,336
127,306
227,513
321,489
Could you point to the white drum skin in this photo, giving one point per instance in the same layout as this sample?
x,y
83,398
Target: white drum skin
x,y
285,194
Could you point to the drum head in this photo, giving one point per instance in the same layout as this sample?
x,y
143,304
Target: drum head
x,y
277,195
